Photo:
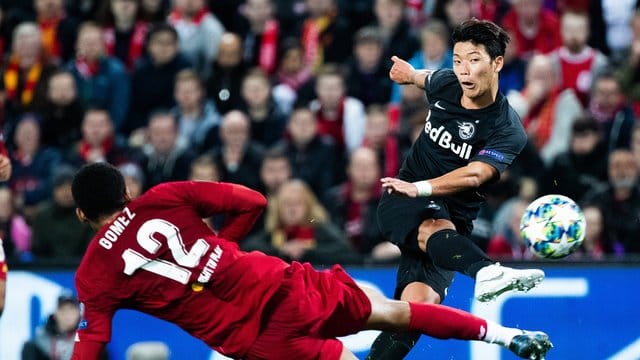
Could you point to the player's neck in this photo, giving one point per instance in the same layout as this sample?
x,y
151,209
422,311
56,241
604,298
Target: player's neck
x,y
104,220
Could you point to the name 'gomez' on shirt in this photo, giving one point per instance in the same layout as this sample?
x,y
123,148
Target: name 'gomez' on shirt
x,y
454,136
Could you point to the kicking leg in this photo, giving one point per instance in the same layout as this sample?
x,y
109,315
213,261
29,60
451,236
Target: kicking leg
x,y
452,251
443,322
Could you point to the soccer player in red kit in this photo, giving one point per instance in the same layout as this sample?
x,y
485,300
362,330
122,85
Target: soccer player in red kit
x,y
156,255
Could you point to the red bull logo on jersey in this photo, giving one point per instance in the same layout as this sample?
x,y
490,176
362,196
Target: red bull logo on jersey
x,y
444,138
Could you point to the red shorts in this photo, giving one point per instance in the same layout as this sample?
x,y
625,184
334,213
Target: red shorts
x,y
309,310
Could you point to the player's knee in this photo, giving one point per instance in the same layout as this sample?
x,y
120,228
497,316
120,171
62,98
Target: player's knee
x,y
418,292
429,227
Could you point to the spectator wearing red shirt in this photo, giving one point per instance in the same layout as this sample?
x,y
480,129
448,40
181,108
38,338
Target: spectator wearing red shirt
x,y
536,29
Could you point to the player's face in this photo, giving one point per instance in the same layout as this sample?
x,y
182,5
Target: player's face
x,y
476,72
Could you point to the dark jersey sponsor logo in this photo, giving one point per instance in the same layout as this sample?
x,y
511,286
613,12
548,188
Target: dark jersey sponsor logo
x,y
444,138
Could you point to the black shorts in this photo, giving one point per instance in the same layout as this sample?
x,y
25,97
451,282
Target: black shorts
x,y
399,217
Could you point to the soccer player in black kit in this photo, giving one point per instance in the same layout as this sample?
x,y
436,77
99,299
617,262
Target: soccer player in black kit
x,y
470,136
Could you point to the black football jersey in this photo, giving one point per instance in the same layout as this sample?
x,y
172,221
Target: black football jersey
x,y
454,136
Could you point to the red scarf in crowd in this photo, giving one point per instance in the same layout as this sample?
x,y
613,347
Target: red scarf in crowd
x,y
295,81
87,69
136,46
540,118
269,47
332,127
313,48
49,31
176,16
391,156
12,80
85,148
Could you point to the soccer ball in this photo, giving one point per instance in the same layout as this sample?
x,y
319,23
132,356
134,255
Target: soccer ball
x,y
553,226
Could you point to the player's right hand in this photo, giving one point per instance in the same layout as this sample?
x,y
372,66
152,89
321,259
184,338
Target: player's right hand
x,y
400,186
401,72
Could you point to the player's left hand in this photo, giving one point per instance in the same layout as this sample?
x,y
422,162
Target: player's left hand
x,y
400,186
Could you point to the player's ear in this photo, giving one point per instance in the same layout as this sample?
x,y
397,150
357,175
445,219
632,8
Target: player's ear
x,y
81,216
498,63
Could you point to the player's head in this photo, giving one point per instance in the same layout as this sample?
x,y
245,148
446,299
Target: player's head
x,y
478,57
98,190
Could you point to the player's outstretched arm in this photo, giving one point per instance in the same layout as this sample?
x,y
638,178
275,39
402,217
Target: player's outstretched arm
x,y
467,177
404,73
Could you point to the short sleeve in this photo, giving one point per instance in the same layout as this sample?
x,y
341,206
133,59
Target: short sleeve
x,y
438,84
506,142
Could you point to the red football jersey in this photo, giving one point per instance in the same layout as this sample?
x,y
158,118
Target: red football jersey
x,y
158,257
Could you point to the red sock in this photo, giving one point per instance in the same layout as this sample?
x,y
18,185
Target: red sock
x,y
444,322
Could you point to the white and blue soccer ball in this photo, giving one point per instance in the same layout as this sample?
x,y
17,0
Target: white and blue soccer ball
x,y
553,226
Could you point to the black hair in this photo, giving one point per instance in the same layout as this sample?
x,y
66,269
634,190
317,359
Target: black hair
x,y
160,27
585,124
99,190
482,32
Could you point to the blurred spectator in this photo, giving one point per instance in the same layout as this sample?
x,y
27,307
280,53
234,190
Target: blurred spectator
x,y
492,10
101,79
312,156
610,26
592,246
339,116
32,165
513,68
223,85
154,11
635,143
325,34
99,142
275,170
352,206
238,158
536,29
294,77
608,105
408,117
199,31
379,138
198,118
54,340
154,76
268,121
452,12
367,76
619,202
396,31
434,54
629,70
148,350
547,112
165,159
577,62
58,29
61,112
25,74
133,178
84,10
261,34
203,168
124,31
58,236
298,228
14,230
583,166
507,243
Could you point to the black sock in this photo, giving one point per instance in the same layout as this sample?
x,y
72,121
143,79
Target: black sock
x,y
456,252
392,346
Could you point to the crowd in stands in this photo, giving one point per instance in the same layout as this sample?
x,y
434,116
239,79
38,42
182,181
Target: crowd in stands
x,y
293,98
